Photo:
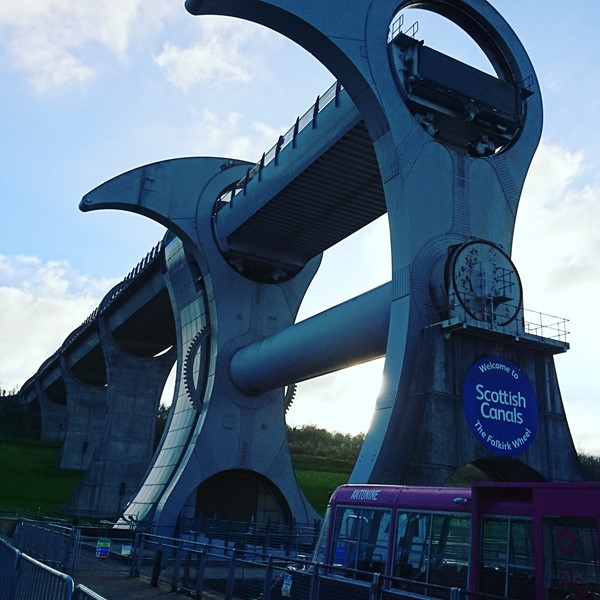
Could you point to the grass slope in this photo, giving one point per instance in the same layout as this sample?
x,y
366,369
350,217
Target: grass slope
x,y
30,481
318,485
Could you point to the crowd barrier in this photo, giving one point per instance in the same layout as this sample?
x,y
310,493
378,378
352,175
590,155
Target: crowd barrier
x,y
54,544
231,572
229,569
25,578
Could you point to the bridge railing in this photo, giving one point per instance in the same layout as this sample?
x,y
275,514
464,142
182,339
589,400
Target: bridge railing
x,y
289,137
293,538
112,295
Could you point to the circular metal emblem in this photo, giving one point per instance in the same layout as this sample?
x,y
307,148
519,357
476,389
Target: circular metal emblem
x,y
486,283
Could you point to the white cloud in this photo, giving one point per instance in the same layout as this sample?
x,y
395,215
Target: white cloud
x,y
186,67
213,133
557,242
224,54
557,239
40,304
342,401
51,67
48,40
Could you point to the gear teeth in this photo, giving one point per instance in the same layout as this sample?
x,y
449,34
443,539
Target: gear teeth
x,y
193,392
289,396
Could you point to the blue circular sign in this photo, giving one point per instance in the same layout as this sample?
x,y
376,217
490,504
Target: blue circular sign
x,y
500,406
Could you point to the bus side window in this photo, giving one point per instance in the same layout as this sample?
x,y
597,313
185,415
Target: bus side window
x,y
346,536
411,541
375,540
570,557
507,563
450,545
432,548
361,538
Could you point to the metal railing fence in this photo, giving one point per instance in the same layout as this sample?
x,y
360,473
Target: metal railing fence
x,y
25,578
332,94
293,538
9,557
527,323
55,545
246,573
83,592
224,569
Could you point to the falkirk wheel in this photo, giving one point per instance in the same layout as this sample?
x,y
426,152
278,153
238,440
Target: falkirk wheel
x,y
447,149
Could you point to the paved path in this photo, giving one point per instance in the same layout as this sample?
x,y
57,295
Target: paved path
x,y
110,578
119,586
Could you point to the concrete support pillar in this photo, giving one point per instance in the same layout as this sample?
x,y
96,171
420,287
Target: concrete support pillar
x,y
135,385
54,416
442,364
86,410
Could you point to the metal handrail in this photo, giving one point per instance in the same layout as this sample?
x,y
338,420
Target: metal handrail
x,y
142,266
526,321
289,137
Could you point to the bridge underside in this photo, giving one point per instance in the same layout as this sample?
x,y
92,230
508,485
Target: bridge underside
x,y
338,194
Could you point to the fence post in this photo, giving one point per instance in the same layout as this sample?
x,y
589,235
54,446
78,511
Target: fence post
x,y
157,567
455,593
374,589
136,559
73,550
266,595
187,564
230,578
200,569
177,566
314,583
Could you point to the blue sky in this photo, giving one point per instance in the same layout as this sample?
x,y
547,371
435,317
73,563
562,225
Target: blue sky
x,y
92,89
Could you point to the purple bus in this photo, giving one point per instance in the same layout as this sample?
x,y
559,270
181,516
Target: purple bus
x,y
512,540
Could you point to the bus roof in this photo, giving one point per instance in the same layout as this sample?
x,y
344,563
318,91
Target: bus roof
x,y
525,498
418,497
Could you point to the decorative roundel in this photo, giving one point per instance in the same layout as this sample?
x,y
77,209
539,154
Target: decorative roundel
x,y
194,367
500,406
486,283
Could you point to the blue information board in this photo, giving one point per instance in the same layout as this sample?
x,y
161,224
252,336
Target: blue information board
x,y
500,406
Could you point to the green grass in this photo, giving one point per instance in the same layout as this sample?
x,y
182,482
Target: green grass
x,y
32,483
318,485
30,480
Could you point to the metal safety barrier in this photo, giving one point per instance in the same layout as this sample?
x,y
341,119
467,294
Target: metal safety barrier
x,y
9,557
84,593
25,578
231,572
54,544
225,569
